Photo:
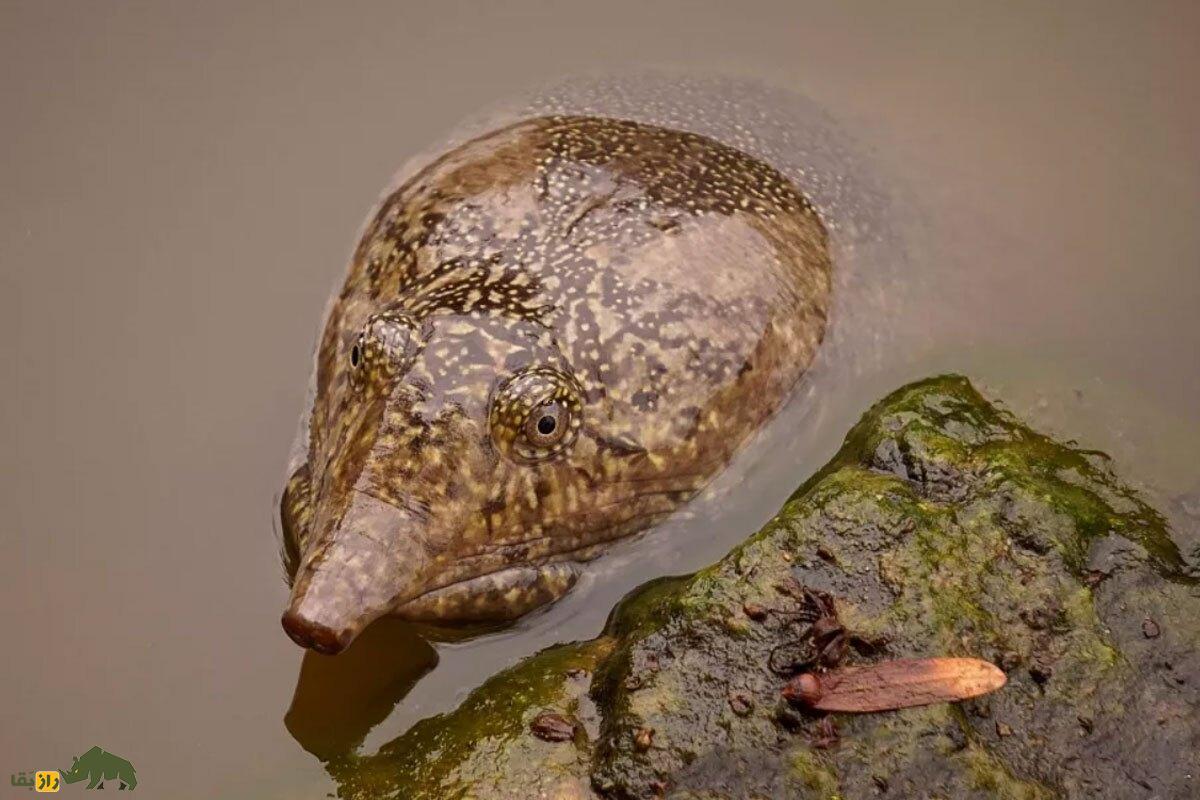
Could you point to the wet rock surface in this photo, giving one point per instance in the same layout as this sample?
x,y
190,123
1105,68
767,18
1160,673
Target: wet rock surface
x,y
943,527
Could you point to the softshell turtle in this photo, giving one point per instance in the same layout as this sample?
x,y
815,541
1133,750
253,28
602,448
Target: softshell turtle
x,y
549,338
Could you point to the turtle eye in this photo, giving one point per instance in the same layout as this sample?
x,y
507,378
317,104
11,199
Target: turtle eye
x,y
358,361
546,425
384,348
536,414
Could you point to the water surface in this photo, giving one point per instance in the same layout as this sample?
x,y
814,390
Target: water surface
x,y
182,189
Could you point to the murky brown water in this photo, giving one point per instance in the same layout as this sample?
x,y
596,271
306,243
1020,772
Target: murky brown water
x,y
181,190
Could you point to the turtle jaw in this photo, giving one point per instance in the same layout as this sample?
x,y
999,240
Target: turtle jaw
x,y
499,596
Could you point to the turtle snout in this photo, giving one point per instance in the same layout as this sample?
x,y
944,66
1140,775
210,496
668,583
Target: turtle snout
x,y
355,573
313,634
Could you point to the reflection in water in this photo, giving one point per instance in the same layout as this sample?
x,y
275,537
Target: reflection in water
x,y
339,699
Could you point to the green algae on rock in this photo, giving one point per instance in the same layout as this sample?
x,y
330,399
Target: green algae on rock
x,y
943,526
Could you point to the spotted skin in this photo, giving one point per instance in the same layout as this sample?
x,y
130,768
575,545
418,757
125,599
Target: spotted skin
x,y
548,339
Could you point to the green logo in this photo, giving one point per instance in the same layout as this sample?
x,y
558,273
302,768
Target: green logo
x,y
97,766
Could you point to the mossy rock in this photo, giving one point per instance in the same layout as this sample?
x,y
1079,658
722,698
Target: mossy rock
x,y
943,526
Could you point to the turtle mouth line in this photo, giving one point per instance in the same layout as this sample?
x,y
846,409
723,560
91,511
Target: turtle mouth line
x,y
492,596
639,523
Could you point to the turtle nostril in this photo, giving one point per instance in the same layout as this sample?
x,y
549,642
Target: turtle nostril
x,y
296,628
314,635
